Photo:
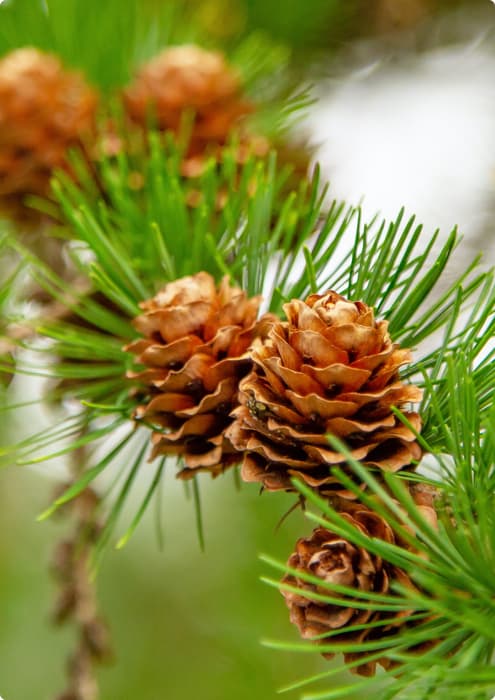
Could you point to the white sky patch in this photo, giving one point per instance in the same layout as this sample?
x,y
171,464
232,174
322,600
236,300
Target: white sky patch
x,y
419,134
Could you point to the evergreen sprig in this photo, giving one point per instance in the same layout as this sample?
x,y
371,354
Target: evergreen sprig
x,y
132,223
452,569
78,32
269,240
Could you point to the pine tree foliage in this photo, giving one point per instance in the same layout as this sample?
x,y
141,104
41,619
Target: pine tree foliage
x,y
453,602
454,596
77,32
131,223
282,245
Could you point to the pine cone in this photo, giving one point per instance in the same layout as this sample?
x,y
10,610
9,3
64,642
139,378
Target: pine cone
x,y
195,353
44,111
397,15
335,560
330,369
188,78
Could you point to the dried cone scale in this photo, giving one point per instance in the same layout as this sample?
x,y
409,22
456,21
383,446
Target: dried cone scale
x,y
337,561
44,111
196,338
331,368
188,78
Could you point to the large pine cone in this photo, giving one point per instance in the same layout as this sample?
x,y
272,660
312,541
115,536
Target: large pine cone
x,y
330,369
195,353
336,561
188,78
44,111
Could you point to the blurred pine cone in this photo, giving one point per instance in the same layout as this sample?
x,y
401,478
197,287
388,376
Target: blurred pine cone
x,y
188,78
195,353
397,15
44,111
337,561
330,369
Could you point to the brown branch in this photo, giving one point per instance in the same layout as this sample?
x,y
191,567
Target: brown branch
x,y
76,602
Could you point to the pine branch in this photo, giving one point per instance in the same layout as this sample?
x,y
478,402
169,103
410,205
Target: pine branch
x,y
282,244
454,588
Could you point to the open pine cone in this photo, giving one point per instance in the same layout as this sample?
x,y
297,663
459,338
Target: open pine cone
x,y
44,111
194,349
188,78
329,369
337,561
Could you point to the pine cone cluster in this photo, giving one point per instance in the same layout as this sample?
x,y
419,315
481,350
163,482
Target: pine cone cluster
x,y
220,387
44,111
331,368
188,78
216,384
339,562
196,338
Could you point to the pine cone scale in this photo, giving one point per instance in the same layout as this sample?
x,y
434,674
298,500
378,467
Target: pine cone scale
x,y
259,400
344,427
296,380
223,393
174,324
154,355
394,456
338,376
230,367
288,433
201,424
386,396
194,370
168,403
316,347
316,405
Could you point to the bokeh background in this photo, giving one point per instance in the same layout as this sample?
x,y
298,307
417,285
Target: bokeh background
x,y
405,116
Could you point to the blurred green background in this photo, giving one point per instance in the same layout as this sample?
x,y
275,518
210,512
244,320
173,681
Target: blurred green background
x,y
185,623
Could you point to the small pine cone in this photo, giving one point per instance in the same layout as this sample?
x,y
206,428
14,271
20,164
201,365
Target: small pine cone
x,y
335,560
44,111
194,349
330,369
188,78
